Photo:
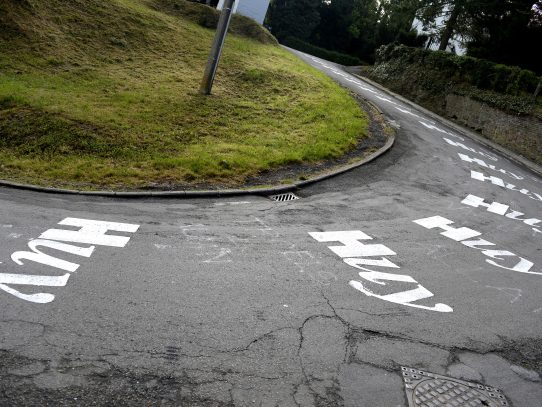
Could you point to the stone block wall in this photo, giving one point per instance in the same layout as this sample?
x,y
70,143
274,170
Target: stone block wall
x,y
520,133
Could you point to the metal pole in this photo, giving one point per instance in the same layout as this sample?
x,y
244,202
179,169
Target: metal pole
x,y
216,50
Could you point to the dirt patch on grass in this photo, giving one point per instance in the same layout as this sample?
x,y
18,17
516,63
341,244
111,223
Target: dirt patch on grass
x,y
33,132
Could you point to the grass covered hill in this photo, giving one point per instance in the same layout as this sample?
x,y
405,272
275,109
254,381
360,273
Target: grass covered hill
x,y
104,94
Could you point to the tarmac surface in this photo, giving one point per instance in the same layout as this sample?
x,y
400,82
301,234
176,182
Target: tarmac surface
x,y
429,257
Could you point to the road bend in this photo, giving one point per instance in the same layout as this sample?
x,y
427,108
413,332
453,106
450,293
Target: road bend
x,y
425,261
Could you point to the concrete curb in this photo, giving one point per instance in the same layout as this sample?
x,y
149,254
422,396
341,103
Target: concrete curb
x,y
460,129
209,193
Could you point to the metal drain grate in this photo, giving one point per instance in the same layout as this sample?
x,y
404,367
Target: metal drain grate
x,y
289,196
432,390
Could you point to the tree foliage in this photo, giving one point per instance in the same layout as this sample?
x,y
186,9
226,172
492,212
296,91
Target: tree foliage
x,y
504,31
333,30
509,32
293,18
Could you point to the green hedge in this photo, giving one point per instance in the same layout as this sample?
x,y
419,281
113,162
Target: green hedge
x,y
483,74
337,57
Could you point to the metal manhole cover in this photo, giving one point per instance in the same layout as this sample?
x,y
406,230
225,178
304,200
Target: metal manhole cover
x,y
425,389
284,197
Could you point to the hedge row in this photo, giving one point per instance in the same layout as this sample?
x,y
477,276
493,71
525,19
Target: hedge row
x,y
482,74
337,57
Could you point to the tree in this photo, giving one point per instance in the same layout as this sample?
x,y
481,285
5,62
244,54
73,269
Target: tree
x,y
376,23
333,30
365,18
293,18
456,15
396,23
508,32
496,24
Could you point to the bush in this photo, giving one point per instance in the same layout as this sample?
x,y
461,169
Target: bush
x,y
520,105
480,73
337,57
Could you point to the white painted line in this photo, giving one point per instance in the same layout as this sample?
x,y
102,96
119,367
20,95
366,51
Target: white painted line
x,y
499,182
494,207
90,232
355,254
384,99
462,234
407,112
405,297
472,150
482,163
457,234
501,209
432,127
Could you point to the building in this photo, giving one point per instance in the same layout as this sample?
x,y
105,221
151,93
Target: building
x,y
255,9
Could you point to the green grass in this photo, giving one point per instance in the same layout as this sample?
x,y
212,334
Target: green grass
x,y
104,94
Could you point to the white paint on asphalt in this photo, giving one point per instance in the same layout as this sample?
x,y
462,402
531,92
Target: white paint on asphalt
x,y
433,127
407,112
472,150
462,234
482,163
38,256
501,209
499,182
494,207
351,246
384,99
365,88
402,298
354,252
457,234
90,232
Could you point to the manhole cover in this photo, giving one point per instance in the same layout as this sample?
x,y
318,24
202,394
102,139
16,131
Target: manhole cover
x,y
432,390
284,197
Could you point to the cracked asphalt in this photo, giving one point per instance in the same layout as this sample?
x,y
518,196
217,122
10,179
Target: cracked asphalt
x,y
231,302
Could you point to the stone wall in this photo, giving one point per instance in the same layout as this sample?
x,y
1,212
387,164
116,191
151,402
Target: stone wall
x,y
495,100
522,134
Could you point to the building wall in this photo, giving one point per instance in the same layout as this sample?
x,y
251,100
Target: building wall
x,y
255,9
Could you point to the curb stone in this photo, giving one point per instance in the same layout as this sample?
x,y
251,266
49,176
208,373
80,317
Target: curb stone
x,y
460,129
277,189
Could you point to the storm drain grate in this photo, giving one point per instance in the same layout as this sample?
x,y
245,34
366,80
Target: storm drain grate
x,y
432,390
284,197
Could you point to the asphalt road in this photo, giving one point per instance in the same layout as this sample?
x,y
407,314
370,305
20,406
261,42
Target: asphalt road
x,y
241,301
